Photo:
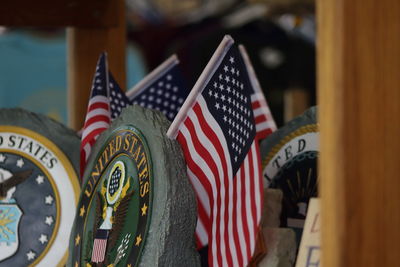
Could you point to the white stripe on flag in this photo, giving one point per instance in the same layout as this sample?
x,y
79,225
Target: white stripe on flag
x,y
257,182
201,232
94,126
221,210
239,227
249,216
98,99
265,125
201,192
97,112
87,148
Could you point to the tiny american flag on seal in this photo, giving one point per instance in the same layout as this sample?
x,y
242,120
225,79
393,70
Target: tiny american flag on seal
x,y
99,245
105,104
216,130
163,89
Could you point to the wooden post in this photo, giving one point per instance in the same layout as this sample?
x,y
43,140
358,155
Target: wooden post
x,y
296,101
359,99
84,47
97,26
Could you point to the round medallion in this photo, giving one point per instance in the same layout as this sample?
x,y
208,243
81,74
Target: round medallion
x,y
38,195
290,164
115,207
137,207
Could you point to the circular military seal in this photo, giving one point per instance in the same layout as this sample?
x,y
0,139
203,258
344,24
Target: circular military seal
x,y
136,207
289,158
38,189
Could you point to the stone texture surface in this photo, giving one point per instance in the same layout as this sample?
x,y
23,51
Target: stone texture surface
x,y
64,138
170,240
272,207
281,247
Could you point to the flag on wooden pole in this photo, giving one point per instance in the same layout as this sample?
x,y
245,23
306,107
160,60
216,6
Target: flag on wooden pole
x,y
105,104
216,130
265,123
164,89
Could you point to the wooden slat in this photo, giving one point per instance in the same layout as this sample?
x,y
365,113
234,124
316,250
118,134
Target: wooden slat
x,y
296,101
58,13
359,100
84,48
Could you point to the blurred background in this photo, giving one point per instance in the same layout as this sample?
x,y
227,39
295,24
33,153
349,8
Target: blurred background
x,y
279,36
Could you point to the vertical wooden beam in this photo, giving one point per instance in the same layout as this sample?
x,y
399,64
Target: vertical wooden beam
x,y
359,100
296,101
84,48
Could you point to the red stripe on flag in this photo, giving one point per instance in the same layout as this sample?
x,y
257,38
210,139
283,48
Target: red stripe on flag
x,y
222,184
92,136
192,165
245,226
235,222
97,118
98,105
255,104
260,119
260,181
252,199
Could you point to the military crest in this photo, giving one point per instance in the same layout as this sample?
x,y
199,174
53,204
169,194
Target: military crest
x,y
10,215
118,191
38,194
290,164
137,207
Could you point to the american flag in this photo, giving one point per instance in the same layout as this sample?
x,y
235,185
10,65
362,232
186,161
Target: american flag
x,y
118,99
105,103
99,245
164,89
265,123
216,130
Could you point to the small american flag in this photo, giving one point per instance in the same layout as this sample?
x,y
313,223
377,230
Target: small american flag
x,y
265,123
216,130
164,89
99,245
105,104
118,99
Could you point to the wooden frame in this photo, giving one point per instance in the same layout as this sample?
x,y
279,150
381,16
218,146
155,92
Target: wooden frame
x,y
94,26
359,100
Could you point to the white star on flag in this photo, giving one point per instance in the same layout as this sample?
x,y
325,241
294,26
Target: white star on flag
x,y
223,159
265,123
164,89
2,158
105,104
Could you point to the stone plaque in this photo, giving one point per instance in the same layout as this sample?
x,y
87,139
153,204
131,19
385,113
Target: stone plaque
x,y
39,188
137,207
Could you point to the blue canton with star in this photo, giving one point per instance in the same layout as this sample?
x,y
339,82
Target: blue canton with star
x,y
227,95
166,93
118,99
99,85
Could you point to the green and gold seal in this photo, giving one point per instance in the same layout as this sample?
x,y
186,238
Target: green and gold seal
x,y
115,206
137,207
